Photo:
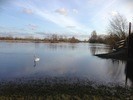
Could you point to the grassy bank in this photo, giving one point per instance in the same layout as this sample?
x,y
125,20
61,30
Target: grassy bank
x,y
58,89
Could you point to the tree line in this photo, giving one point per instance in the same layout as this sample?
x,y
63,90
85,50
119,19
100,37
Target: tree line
x,y
51,39
117,30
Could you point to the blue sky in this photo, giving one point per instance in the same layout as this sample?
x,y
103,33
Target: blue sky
x,y
69,17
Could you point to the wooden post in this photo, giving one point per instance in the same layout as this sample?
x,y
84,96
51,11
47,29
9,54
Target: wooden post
x,y
129,28
128,51
128,42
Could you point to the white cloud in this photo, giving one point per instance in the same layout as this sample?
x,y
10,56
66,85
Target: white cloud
x,y
6,29
75,11
62,21
27,11
114,13
62,11
71,27
32,26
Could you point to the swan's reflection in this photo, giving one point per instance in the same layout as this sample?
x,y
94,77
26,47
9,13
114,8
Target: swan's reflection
x,y
34,64
36,59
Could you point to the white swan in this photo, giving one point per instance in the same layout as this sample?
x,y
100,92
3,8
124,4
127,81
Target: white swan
x,y
36,59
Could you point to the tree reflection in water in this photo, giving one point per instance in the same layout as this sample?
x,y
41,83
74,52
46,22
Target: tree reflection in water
x,y
98,48
58,46
115,70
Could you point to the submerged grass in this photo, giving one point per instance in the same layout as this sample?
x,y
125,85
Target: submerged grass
x,y
57,89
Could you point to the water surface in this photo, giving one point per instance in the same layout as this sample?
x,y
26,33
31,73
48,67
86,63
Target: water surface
x,y
59,60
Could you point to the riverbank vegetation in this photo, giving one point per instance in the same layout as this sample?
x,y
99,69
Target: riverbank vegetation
x,y
53,39
61,89
117,30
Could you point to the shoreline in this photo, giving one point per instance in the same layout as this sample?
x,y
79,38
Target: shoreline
x,y
118,55
36,41
61,90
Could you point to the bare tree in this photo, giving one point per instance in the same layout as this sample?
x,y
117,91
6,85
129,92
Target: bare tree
x,y
118,26
93,37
